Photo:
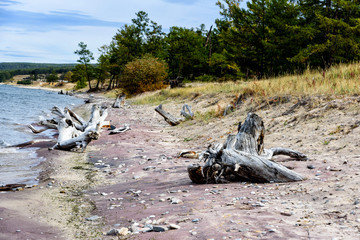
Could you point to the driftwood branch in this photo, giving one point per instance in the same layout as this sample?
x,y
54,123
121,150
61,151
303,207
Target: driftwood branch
x,y
243,158
186,112
123,129
173,121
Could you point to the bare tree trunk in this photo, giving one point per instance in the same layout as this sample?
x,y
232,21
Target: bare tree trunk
x,y
243,158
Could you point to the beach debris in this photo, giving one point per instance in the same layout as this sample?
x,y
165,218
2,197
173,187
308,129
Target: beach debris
x,y
93,218
74,132
170,119
243,158
119,101
188,154
123,129
12,187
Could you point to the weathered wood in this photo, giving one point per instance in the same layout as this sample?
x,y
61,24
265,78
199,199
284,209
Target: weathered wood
x,y
74,132
119,101
243,158
186,112
123,129
170,119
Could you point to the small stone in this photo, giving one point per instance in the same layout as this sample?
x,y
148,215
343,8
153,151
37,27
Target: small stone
x,y
356,202
18,230
286,213
193,233
159,229
112,232
358,220
174,226
123,231
93,218
149,168
310,166
196,220
272,230
175,201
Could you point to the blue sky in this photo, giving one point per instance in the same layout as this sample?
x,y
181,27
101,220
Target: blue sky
x,y
49,31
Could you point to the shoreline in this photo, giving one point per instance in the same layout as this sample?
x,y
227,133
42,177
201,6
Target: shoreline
x,y
128,180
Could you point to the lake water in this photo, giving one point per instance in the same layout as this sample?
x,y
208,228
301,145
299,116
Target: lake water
x,y
20,107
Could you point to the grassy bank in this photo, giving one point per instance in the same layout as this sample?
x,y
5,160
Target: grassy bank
x,y
338,80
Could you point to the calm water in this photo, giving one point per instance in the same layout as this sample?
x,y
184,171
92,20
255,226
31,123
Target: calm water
x,y
18,108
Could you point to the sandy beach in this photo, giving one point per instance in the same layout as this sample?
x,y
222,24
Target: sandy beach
x,y
130,182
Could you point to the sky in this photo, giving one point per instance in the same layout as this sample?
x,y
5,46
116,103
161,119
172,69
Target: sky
x,y
49,31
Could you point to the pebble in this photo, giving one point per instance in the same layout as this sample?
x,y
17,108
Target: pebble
x,y
149,168
310,166
356,202
174,226
123,231
93,218
18,230
196,220
175,201
113,232
159,229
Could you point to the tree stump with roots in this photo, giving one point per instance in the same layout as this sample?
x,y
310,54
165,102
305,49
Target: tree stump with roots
x,y
243,158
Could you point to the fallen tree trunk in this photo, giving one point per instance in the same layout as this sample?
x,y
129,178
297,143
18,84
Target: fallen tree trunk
x,y
170,119
243,158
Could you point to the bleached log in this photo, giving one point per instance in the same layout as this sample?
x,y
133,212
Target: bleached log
x,y
119,101
170,119
243,158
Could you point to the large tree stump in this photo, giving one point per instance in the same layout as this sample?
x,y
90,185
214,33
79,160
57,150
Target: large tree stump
x,y
243,158
119,101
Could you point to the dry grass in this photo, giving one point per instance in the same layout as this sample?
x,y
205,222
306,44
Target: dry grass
x,y
338,80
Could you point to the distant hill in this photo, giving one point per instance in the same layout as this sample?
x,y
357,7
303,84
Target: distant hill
x,y
8,66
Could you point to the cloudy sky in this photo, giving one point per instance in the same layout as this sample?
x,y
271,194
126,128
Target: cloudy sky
x,y
48,31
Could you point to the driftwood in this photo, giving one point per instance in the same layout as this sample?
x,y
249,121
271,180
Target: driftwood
x,y
74,132
170,119
123,129
173,121
243,158
119,101
186,112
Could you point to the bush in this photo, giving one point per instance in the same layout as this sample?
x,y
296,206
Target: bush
x,y
144,74
24,82
81,83
206,78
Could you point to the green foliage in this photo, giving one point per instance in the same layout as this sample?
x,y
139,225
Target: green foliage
x,y
24,82
52,77
85,56
144,74
81,83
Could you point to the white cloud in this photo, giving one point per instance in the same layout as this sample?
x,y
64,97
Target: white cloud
x,y
91,21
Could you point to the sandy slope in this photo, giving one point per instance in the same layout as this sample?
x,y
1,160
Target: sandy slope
x,y
137,178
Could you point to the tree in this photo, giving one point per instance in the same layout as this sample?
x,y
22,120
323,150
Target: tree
x,y
68,76
50,78
85,56
258,39
187,55
332,30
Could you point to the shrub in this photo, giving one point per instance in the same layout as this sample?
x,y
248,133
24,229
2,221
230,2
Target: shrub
x,y
144,74
81,83
24,82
